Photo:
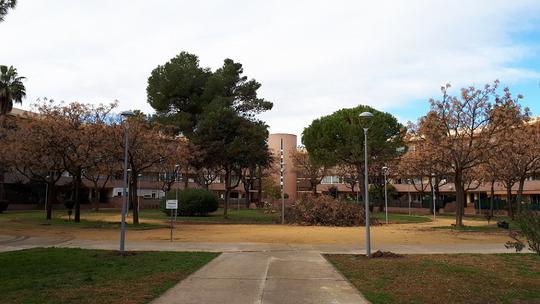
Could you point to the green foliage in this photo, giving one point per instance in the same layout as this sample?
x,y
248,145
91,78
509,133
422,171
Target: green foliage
x,y
193,202
338,138
376,192
231,141
175,90
181,90
324,211
12,89
270,189
528,222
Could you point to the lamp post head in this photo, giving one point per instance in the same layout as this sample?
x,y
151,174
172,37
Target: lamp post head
x,y
385,169
366,115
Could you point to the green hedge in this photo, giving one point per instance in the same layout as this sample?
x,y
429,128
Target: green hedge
x,y
192,202
498,204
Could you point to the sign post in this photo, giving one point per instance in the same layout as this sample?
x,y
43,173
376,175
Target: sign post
x,y
173,206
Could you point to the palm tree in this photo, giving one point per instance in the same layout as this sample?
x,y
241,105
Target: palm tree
x,y
4,6
11,90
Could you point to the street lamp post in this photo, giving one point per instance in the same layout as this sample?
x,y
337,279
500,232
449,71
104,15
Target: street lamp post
x,y
281,182
433,194
385,172
139,192
409,194
126,115
176,169
366,115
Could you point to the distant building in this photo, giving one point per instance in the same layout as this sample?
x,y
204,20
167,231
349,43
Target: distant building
x,y
24,194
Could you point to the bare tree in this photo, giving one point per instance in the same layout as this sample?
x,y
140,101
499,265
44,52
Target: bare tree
x,y
308,168
464,129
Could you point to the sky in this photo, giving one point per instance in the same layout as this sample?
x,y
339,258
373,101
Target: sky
x,y
311,57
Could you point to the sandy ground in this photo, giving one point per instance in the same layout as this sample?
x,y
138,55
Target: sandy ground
x,y
405,234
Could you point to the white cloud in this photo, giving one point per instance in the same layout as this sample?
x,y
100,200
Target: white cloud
x,y
312,57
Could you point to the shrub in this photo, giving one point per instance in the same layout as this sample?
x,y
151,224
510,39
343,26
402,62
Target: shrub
x,y
324,211
528,222
193,202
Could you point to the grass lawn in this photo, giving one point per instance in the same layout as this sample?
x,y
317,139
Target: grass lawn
x,y
57,275
35,217
453,278
242,216
491,227
482,228
397,218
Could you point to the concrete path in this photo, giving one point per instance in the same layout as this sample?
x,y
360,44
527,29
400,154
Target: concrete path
x,y
276,277
255,272
9,243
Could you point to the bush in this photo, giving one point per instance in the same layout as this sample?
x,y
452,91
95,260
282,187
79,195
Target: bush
x,y
3,205
324,211
528,222
192,202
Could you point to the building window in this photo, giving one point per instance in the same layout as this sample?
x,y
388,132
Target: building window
x,y
331,180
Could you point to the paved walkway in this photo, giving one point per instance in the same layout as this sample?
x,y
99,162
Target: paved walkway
x,y
254,272
8,243
276,277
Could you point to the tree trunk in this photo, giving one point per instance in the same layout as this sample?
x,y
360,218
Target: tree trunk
x,y
77,184
134,198
259,190
50,200
186,179
433,202
227,193
361,181
313,188
460,196
2,189
381,199
520,194
509,201
95,197
3,196
492,199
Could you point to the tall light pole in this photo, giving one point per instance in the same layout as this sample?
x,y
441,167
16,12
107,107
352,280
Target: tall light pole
x,y
433,194
409,194
385,172
126,115
176,169
281,182
366,115
139,192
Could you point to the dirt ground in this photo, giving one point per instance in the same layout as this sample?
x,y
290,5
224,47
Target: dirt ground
x,y
407,234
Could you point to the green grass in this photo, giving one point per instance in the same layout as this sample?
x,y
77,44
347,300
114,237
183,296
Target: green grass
x,y
448,278
37,218
55,275
242,216
397,218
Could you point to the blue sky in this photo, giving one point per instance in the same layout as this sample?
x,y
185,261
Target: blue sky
x,y
313,57
528,37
